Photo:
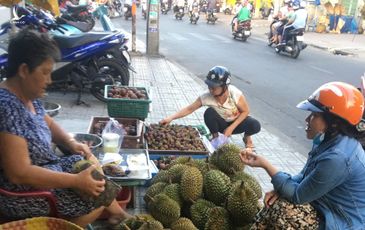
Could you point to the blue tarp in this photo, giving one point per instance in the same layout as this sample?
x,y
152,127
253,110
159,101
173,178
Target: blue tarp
x,y
350,25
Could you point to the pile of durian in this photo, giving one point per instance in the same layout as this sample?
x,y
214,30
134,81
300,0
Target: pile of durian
x,y
205,194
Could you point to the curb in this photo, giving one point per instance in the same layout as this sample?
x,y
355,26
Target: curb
x,y
335,51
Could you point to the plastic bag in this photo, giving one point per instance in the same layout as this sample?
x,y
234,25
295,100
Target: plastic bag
x,y
113,135
220,140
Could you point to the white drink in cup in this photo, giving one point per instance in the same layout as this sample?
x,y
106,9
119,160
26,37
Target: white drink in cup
x,y
111,142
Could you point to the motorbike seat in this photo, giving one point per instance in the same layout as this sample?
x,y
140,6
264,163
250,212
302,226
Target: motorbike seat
x,y
74,40
299,31
76,8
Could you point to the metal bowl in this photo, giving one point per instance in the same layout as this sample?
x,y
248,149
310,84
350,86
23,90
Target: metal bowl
x,y
51,108
92,140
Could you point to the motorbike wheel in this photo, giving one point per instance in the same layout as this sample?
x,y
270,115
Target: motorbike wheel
x,y
118,74
296,51
277,50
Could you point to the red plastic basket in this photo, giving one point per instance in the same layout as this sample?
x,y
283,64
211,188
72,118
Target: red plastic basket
x,y
123,198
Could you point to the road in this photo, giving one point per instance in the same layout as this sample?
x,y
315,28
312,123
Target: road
x,y
273,84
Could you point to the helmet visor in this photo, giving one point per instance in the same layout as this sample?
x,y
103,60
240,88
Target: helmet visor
x,y
306,105
213,84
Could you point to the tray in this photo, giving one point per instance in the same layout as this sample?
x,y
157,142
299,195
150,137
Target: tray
x,y
124,121
129,141
144,172
203,139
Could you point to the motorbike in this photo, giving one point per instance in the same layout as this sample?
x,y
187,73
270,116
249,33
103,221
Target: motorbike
x,y
228,11
203,6
243,30
115,8
293,46
164,8
179,14
144,10
266,11
211,16
127,9
194,15
89,60
78,13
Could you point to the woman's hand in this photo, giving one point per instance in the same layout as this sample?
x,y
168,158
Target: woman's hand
x,y
228,131
252,159
165,121
88,184
270,198
80,148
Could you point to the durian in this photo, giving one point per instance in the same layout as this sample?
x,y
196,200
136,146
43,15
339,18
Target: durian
x,y
191,184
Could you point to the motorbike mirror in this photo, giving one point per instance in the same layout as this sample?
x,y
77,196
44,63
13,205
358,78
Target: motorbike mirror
x,y
363,84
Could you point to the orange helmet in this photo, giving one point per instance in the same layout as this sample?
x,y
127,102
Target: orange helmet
x,y
339,98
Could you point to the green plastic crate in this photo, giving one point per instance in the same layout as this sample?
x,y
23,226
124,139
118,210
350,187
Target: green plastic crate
x,y
203,130
132,108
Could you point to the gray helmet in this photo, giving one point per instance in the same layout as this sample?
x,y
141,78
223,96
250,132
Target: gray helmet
x,y
218,76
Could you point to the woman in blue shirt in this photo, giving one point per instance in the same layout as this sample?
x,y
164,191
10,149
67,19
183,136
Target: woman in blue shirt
x,y
332,180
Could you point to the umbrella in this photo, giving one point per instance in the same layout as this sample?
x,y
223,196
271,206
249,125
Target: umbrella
x,y
9,3
51,5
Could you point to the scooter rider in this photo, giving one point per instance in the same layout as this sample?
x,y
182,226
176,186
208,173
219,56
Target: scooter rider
x,y
298,21
179,4
243,15
281,19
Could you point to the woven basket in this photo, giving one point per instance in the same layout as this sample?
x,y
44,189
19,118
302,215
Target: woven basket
x,y
40,223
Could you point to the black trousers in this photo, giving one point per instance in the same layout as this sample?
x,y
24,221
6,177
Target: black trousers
x,y
216,123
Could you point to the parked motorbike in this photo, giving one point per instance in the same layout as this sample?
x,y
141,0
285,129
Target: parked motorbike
x,y
179,14
164,8
87,59
212,16
243,30
78,13
127,9
194,15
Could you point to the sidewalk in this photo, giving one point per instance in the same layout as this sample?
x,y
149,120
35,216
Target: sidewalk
x,y
172,87
343,44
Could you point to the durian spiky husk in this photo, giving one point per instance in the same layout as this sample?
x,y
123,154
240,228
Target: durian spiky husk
x,y
111,188
180,160
162,176
176,171
200,212
227,158
250,180
151,225
218,219
136,221
164,209
216,186
191,184
153,190
242,203
174,192
183,224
